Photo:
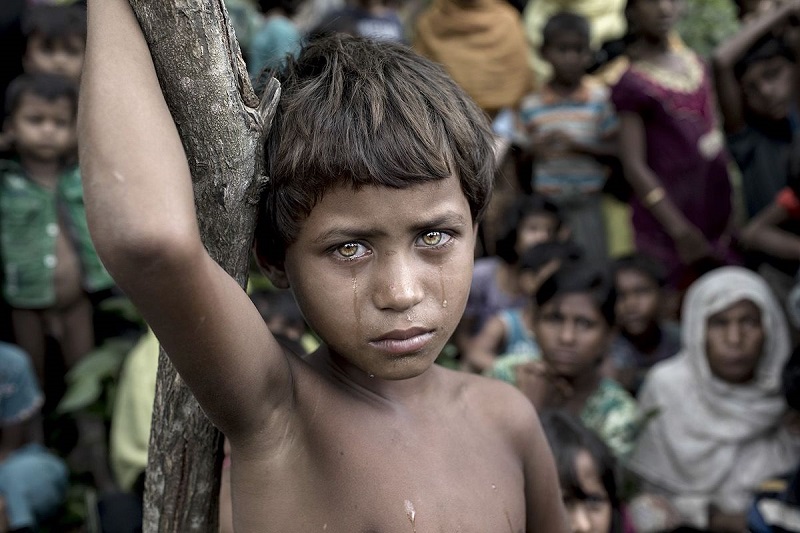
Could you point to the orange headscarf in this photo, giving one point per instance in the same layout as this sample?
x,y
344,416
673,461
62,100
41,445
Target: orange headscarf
x,y
481,44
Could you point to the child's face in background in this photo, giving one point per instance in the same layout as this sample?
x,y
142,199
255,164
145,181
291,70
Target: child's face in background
x,y
767,87
734,342
638,300
535,229
382,275
41,129
655,18
55,56
570,56
592,512
572,334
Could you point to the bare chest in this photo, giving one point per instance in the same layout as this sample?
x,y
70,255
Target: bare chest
x,y
375,476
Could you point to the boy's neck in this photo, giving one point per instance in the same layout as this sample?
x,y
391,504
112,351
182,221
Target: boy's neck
x,y
406,392
43,173
564,87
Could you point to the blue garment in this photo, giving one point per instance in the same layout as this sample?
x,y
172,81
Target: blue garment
x,y
20,397
777,511
275,40
33,482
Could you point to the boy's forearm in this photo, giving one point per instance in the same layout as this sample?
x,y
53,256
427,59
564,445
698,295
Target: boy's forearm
x,y
136,178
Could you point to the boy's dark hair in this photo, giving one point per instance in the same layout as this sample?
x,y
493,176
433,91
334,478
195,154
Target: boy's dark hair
x,y
767,47
568,437
577,277
358,113
55,22
49,87
642,264
522,208
565,22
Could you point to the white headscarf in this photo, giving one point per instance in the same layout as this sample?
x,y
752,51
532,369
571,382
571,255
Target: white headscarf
x,y
713,441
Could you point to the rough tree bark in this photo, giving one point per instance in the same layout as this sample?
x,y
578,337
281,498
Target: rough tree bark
x,y
223,125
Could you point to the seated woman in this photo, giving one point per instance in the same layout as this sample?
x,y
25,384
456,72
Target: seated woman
x,y
719,428
573,326
587,474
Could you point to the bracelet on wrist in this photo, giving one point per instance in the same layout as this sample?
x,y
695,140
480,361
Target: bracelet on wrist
x,y
653,197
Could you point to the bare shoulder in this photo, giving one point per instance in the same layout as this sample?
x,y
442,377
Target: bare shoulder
x,y
499,404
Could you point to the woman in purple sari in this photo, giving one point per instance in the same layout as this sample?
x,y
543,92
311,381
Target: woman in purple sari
x,y
672,150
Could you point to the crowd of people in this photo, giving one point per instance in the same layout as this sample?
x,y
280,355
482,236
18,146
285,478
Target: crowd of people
x,y
637,274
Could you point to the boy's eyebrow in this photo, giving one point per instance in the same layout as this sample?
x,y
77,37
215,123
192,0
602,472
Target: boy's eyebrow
x,y
447,219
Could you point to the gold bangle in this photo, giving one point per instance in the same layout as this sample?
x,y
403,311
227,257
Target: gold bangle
x,y
653,197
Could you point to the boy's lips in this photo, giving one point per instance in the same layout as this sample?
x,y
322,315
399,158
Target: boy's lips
x,y
401,341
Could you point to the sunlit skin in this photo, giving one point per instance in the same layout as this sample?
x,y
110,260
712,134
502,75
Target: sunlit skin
x,y
592,513
767,87
42,130
734,342
55,56
638,299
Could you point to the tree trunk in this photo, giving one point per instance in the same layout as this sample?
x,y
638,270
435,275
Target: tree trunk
x,y
223,126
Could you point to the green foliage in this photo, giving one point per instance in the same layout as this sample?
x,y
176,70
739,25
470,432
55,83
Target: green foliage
x,y
707,23
91,383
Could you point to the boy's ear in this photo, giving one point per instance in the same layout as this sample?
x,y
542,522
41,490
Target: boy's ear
x,y
276,274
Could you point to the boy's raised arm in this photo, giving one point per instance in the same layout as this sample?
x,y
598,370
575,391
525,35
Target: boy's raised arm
x,y
142,218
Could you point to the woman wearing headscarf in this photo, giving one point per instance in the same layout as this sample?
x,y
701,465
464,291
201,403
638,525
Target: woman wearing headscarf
x,y
718,428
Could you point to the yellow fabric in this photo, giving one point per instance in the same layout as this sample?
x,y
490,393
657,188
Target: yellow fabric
x,y
481,45
619,230
606,19
133,410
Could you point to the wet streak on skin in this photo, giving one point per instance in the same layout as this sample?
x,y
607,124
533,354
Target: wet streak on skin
x,y
441,282
411,514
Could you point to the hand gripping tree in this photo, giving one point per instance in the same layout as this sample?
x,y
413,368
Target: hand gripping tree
x,y
223,125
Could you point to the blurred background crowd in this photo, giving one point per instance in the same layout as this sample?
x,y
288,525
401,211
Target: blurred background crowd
x,y
637,275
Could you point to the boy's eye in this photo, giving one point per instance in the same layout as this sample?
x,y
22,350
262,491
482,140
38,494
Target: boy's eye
x,y
351,250
434,238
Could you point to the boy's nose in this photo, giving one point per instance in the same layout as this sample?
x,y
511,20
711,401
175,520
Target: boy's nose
x,y
567,333
398,287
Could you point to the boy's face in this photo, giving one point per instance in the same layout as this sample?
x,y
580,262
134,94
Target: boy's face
x,y
55,56
767,87
734,342
41,129
535,229
638,300
570,56
572,334
382,275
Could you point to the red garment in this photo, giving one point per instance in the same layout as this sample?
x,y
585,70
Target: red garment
x,y
788,200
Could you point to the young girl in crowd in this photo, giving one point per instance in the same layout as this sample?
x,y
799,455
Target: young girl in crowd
x,y
719,426
672,150
509,333
587,472
573,325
